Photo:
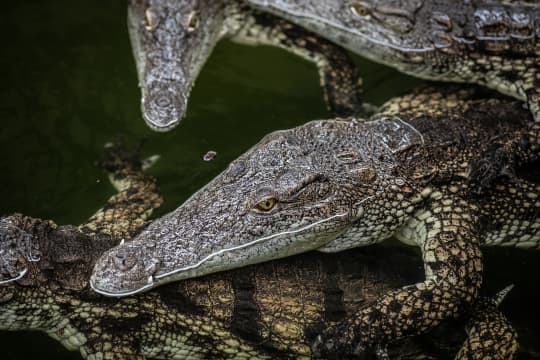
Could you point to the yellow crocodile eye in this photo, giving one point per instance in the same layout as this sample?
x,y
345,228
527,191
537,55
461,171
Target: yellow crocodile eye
x,y
360,8
266,204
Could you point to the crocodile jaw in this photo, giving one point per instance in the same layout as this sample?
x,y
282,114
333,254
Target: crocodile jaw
x,y
171,42
320,176
107,282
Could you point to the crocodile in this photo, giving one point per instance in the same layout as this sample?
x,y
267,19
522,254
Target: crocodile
x,y
171,41
332,185
493,43
270,310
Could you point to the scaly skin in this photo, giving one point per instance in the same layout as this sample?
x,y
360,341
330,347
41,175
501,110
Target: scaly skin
x,y
481,327
490,42
271,310
337,184
172,39
487,42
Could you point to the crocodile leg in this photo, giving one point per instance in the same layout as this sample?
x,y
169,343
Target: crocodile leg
x,y
338,73
490,334
138,194
449,241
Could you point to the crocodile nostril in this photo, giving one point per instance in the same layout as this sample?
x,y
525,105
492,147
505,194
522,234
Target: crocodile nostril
x,y
151,266
163,101
123,262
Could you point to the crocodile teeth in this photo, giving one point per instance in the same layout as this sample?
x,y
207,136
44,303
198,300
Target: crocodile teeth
x,y
150,280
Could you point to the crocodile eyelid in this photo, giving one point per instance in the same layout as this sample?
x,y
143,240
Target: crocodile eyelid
x,y
291,195
387,10
296,190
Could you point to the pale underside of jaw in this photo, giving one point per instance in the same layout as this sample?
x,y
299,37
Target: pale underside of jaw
x,y
146,287
22,273
167,277
161,128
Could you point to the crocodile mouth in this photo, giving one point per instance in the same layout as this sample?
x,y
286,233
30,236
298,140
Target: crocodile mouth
x,y
213,258
21,274
110,279
124,271
95,286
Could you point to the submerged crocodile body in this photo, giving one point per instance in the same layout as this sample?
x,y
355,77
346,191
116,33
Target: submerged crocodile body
x,y
271,310
492,43
338,184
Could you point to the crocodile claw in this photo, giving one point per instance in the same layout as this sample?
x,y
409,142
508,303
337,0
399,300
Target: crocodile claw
x,y
118,156
148,162
501,295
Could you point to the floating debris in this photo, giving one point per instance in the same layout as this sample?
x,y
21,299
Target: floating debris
x,y
209,156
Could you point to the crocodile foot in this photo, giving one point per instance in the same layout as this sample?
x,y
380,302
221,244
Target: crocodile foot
x,y
121,160
118,155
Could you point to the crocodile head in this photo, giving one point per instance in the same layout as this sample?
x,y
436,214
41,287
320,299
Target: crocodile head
x,y
294,191
395,32
171,41
17,249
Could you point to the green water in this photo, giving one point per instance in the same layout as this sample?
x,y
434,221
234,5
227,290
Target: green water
x,y
68,85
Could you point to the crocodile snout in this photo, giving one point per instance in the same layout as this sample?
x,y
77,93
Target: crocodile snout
x,y
125,270
163,105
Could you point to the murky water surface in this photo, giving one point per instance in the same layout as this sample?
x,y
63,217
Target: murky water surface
x,y
68,85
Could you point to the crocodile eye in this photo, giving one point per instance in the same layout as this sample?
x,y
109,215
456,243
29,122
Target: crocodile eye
x,y
193,21
360,8
123,262
267,204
